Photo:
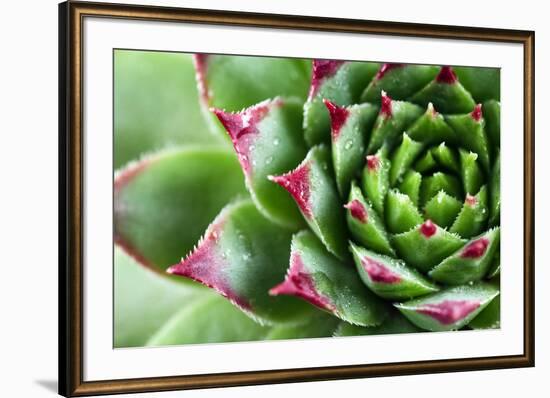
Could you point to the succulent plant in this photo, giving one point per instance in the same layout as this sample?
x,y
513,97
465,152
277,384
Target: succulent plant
x,y
359,198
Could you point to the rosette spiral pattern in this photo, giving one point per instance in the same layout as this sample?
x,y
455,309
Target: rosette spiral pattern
x,y
372,205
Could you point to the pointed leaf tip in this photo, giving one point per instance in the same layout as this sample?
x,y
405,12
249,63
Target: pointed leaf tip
x,y
449,311
373,162
475,249
338,117
388,277
297,183
379,273
298,282
477,113
385,68
321,279
357,210
242,127
205,265
428,229
446,75
235,259
385,106
322,69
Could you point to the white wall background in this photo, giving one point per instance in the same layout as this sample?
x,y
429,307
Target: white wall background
x,y
28,197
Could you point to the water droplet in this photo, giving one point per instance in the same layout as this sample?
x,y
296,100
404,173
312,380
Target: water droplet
x,y
276,141
269,160
348,144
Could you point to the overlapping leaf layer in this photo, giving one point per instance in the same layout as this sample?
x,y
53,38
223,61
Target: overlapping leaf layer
x,y
373,196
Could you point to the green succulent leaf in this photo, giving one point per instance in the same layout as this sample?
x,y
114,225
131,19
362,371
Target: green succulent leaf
x,y
426,245
267,139
241,256
163,203
339,82
472,218
237,82
472,176
365,225
426,163
403,157
449,309
388,277
491,114
489,318
442,209
470,131
312,186
494,209
320,278
210,319
375,179
494,270
140,313
394,118
395,323
410,185
155,104
431,128
401,213
348,127
318,325
400,80
482,83
446,157
439,181
446,93
470,263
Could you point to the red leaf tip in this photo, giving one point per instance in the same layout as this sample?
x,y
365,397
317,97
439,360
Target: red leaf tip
x,y
322,69
338,117
297,183
205,265
477,113
373,162
385,107
475,249
299,283
385,68
357,210
470,200
449,311
378,272
242,127
428,229
446,75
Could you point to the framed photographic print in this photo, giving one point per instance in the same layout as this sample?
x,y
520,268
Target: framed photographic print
x,y
251,198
